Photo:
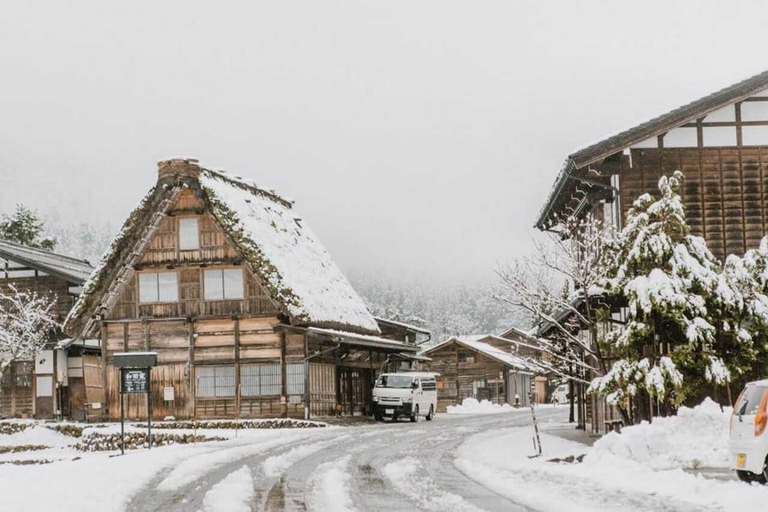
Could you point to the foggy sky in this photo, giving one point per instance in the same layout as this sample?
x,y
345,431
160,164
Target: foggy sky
x,y
417,138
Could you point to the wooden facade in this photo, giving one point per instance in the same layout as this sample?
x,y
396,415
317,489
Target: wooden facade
x,y
41,388
467,372
226,347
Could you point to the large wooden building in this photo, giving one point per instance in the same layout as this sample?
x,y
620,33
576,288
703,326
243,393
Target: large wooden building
x,y
719,143
248,313
483,367
46,386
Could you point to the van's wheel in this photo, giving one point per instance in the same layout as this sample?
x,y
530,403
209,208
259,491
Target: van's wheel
x,y
377,416
415,415
431,413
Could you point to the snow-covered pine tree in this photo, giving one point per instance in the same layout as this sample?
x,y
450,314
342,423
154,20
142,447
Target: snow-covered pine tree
x,y
26,322
676,297
25,227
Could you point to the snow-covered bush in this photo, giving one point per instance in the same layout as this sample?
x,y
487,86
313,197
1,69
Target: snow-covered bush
x,y
472,406
26,321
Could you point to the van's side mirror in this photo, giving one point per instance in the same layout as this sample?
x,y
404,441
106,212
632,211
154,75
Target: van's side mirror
x,y
414,385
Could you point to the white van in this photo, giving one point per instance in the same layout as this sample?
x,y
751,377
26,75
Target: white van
x,y
748,442
560,395
411,395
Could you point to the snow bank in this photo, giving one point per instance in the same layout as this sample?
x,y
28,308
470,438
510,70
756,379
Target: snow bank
x,y
696,437
233,494
472,406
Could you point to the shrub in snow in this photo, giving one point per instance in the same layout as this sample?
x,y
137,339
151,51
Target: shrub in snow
x,y
695,437
12,427
472,406
680,301
26,321
236,424
110,442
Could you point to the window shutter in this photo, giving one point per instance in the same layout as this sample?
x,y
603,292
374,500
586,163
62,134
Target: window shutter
x,y
189,234
233,283
214,285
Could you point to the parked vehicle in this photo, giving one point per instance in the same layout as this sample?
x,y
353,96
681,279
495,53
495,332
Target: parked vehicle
x,y
411,395
560,395
748,442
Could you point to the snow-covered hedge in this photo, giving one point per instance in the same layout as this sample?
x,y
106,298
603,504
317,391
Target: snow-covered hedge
x,y
696,437
12,427
233,424
97,442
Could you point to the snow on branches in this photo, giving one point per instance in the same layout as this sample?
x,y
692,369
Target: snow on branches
x,y
26,321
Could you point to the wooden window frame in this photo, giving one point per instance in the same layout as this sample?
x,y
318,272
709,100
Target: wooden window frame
x,y
223,290
158,302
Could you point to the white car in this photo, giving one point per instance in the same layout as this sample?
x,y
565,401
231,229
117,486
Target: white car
x,y
748,442
410,395
560,395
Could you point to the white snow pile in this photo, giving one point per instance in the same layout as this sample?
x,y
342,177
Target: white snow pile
x,y
696,437
330,487
410,478
472,406
233,494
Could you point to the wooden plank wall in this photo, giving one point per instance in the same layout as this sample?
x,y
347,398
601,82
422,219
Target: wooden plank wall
x,y
45,286
725,191
456,378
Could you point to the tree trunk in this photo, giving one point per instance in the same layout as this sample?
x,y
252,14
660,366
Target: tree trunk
x,y
571,398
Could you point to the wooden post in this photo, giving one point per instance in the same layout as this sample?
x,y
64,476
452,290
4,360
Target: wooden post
x,y
146,334
307,395
125,337
237,366
104,382
284,379
191,368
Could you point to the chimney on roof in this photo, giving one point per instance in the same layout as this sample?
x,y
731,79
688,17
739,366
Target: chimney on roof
x,y
178,167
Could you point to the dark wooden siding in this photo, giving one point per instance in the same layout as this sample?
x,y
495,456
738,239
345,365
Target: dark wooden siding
x,y
724,191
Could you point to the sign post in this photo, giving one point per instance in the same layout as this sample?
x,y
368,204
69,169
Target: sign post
x,y
135,378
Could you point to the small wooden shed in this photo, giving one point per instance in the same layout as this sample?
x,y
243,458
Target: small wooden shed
x,y
483,367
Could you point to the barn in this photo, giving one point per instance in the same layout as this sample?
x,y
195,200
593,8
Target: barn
x,y
53,384
483,367
249,315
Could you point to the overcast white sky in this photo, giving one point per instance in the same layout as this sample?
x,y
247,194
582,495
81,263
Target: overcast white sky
x,y
418,138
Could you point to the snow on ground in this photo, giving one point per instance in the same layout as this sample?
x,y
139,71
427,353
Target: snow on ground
x,y
331,487
696,437
195,467
122,476
605,481
411,479
233,494
472,406
276,465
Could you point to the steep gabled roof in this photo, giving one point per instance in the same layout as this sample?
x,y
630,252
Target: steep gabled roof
x,y
402,325
275,243
652,128
474,343
70,269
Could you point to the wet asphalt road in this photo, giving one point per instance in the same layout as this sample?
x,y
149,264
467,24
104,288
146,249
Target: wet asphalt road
x,y
365,451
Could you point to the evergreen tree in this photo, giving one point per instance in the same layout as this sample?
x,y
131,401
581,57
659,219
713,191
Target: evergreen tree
x,y
25,227
679,302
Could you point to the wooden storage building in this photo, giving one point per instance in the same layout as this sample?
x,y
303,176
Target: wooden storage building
x,y
46,387
247,311
483,367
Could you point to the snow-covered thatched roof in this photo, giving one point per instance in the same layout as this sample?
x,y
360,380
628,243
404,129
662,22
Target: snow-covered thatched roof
x,y
278,246
71,269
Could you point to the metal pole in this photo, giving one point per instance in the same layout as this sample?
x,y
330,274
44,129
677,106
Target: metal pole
x,y
122,414
149,407
535,423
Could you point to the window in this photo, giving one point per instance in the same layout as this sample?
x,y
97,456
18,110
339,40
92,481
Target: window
x,y
428,385
260,380
24,374
189,234
295,382
215,381
158,287
224,284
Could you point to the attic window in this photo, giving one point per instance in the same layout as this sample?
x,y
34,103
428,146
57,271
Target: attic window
x,y
189,234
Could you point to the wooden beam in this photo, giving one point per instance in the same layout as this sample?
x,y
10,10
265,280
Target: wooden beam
x,y
284,380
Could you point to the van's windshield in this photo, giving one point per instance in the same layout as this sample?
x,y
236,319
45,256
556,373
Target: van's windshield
x,y
750,400
394,381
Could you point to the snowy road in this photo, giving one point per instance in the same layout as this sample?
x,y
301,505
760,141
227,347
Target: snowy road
x,y
398,466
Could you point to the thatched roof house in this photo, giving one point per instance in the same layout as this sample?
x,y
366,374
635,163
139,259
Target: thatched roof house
x,y
273,241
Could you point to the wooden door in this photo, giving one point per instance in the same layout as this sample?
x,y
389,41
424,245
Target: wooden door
x,y
322,389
